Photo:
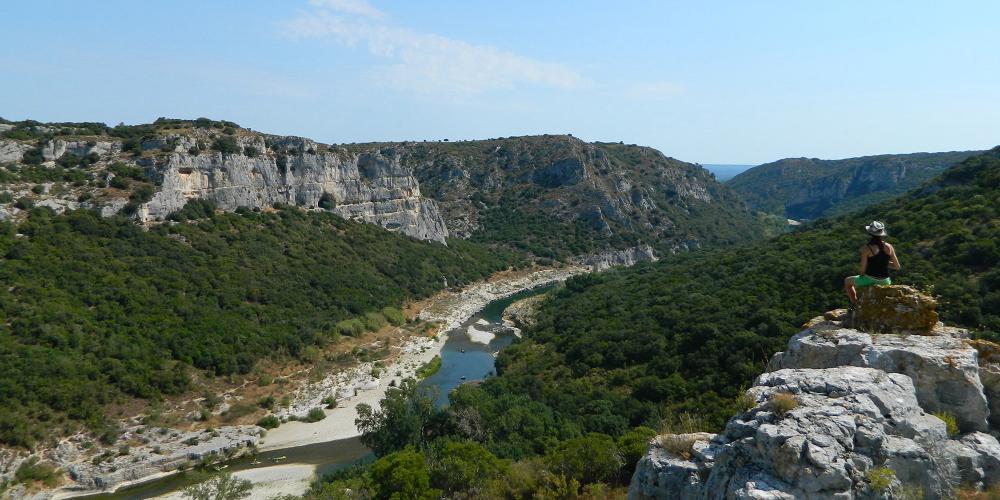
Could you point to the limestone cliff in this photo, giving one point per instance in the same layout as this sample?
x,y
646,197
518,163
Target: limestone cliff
x,y
369,186
230,166
846,414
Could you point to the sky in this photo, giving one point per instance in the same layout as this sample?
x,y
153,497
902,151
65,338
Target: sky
x,y
710,81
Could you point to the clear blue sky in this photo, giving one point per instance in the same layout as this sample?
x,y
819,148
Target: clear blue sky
x,y
711,82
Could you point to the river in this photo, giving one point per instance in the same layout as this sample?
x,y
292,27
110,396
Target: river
x,y
462,360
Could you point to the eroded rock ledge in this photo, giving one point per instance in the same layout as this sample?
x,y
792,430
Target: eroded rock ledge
x,y
846,414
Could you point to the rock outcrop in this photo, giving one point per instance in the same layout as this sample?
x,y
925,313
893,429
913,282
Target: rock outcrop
x,y
846,414
895,309
371,186
627,257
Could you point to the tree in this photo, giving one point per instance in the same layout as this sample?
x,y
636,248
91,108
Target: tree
x,y
222,487
404,419
403,475
465,466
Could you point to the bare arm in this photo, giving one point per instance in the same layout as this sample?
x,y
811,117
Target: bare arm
x,y
864,258
893,259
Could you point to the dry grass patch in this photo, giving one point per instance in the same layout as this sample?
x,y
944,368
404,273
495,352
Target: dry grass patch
x,y
782,403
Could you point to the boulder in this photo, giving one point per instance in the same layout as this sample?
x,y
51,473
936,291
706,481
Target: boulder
x,y
895,309
844,426
945,370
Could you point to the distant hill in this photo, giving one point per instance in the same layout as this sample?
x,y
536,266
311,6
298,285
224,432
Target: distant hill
x,y
809,188
724,172
555,195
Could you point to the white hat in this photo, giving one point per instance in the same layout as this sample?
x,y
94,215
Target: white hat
x,y
876,228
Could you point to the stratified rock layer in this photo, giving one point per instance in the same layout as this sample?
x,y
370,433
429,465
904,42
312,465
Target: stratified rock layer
x,y
370,186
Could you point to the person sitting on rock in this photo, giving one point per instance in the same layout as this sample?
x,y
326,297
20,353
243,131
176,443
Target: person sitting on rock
x,y
877,257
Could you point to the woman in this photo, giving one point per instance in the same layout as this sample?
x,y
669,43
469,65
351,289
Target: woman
x,y
877,257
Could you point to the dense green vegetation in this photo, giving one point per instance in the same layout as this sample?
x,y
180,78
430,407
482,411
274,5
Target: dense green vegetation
x,y
97,309
809,188
670,345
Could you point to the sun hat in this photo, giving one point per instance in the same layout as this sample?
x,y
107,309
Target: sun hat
x,y
876,228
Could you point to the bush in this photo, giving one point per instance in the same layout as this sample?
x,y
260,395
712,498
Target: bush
x,y
33,157
269,422
394,316
226,145
782,403
119,182
949,421
33,469
250,151
374,321
315,415
403,474
429,368
6,197
881,478
351,327
590,459
633,445
25,203
266,402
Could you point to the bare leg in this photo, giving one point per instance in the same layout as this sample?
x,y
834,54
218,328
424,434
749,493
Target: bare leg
x,y
849,289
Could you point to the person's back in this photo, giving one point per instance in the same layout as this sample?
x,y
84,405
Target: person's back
x,y
877,257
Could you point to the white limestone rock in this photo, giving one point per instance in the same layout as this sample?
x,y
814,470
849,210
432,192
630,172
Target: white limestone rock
x,y
945,370
371,187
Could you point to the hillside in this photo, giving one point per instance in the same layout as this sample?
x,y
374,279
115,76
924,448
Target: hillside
x,y
556,195
809,188
99,310
670,347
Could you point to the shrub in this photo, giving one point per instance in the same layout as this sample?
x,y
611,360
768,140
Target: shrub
x,y
225,145
949,421
269,422
374,321
350,327
881,478
266,402
6,197
38,189
633,445
118,182
589,459
429,368
33,157
250,151
782,403
25,203
315,415
33,469
394,316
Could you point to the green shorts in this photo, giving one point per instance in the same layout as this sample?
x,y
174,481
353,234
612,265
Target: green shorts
x,y
864,280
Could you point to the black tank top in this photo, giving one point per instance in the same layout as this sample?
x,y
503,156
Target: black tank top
x,y
878,264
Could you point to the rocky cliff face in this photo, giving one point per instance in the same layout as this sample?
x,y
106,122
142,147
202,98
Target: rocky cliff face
x,y
368,186
614,194
846,414
231,168
807,188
